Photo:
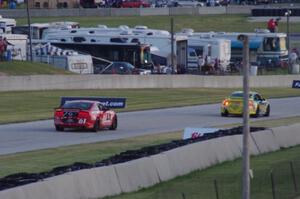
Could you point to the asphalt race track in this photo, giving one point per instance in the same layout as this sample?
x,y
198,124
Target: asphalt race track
x,y
41,134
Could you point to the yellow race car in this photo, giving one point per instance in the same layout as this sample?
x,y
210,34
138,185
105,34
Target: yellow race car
x,y
233,105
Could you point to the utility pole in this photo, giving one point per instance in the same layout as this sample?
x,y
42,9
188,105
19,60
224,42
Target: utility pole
x,y
172,46
288,14
29,29
246,128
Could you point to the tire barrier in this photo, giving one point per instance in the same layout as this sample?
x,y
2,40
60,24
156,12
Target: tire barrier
x,y
136,169
274,12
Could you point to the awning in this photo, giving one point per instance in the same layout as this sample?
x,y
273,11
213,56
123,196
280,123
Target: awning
x,y
253,45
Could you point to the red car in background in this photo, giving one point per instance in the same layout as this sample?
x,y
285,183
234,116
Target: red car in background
x,y
134,4
85,114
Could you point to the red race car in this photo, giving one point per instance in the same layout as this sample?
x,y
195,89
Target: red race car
x,y
85,114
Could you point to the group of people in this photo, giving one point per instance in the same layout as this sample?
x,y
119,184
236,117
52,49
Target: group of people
x,y
208,66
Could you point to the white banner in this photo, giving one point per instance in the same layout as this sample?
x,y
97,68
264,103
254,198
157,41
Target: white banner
x,y
197,132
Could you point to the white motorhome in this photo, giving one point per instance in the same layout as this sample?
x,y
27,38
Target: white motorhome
x,y
159,40
205,46
6,24
266,49
38,29
17,45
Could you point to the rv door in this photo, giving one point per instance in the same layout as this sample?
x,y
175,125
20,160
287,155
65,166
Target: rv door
x,y
181,55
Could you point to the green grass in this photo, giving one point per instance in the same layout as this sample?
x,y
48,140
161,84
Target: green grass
x,y
17,106
29,68
227,23
43,160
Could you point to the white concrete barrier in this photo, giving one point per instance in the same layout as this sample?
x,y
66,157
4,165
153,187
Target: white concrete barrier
x,y
226,148
62,186
85,183
154,11
137,174
50,82
21,13
13,193
183,160
163,167
253,149
107,180
205,154
265,141
287,136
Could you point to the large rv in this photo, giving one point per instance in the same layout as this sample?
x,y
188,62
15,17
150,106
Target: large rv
x,y
38,29
159,40
266,49
134,53
6,24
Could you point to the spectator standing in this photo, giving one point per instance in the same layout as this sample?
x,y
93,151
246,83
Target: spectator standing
x,y
201,62
2,44
271,25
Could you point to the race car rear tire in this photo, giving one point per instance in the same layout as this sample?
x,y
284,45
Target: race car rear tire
x,y
225,114
114,124
257,112
59,128
267,114
96,126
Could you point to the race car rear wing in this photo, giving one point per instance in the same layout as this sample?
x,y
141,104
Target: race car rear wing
x,y
105,101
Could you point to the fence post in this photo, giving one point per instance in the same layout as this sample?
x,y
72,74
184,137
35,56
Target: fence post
x,y
294,177
216,189
273,185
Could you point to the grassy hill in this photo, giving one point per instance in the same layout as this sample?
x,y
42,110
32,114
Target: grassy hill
x,y
223,23
29,68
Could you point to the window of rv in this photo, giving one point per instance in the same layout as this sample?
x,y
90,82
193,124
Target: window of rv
x,y
271,44
192,52
199,50
282,43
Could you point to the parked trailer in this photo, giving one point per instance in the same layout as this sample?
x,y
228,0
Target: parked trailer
x,y
81,64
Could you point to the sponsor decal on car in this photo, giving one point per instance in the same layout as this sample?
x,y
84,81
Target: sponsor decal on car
x,y
107,102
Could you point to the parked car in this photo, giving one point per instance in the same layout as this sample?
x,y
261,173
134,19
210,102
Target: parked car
x,y
123,68
233,105
135,4
186,3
